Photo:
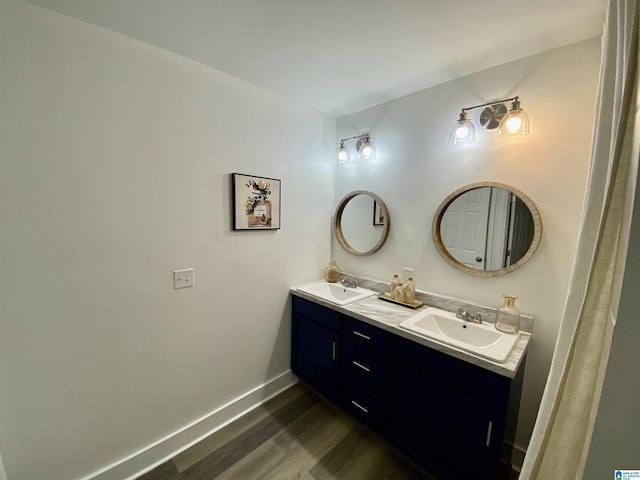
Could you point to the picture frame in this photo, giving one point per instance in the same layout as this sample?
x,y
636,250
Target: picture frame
x,y
378,214
256,202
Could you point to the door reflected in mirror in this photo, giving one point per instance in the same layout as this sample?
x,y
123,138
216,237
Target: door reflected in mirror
x,y
362,222
487,229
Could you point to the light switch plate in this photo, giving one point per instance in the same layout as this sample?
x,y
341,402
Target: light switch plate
x,y
183,278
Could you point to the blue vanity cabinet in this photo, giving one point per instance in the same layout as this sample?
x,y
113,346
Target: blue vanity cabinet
x,y
446,414
315,347
364,367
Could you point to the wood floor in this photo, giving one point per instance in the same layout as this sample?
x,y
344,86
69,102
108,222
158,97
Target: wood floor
x,y
292,436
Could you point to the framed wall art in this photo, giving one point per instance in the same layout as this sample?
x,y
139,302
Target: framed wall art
x,y
256,202
378,214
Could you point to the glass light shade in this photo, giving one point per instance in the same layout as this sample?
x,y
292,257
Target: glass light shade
x,y
515,123
366,150
462,131
343,154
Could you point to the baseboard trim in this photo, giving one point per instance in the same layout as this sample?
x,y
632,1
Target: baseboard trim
x,y
517,457
159,452
512,455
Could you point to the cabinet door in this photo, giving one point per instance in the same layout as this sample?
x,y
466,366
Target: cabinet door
x,y
441,427
314,356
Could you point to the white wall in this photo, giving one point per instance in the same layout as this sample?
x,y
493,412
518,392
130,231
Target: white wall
x,y
416,169
114,172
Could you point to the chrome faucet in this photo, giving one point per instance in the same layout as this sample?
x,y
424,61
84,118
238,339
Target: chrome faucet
x,y
462,314
348,281
478,317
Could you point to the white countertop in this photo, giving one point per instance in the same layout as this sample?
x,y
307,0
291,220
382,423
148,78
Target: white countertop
x,y
388,316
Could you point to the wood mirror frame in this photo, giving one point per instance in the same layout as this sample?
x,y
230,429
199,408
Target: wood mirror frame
x,y
337,225
442,249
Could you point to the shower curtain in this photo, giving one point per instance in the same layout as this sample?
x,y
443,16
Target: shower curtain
x,y
560,442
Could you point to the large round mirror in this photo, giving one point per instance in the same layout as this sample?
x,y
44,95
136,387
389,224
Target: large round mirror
x,y
487,229
362,222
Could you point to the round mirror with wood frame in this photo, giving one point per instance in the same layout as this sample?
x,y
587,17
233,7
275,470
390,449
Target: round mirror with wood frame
x,y
487,229
358,216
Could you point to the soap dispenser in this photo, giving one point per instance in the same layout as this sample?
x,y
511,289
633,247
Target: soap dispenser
x,y
395,283
332,272
410,291
508,316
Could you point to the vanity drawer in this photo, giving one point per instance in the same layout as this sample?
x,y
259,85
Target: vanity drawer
x,y
319,314
474,381
365,334
362,404
364,365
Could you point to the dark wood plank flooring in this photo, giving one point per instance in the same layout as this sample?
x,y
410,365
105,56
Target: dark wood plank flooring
x,y
295,435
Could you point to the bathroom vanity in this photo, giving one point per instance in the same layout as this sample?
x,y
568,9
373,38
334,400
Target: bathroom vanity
x,y
445,409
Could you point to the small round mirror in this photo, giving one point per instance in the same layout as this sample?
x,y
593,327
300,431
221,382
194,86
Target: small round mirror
x,y
487,229
361,223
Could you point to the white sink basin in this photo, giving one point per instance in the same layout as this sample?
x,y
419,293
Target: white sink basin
x,y
480,339
336,292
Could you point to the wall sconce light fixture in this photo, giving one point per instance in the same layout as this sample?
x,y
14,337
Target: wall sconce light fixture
x,y
366,149
514,122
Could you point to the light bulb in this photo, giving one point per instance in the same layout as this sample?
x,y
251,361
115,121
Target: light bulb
x,y
343,154
513,124
366,150
462,132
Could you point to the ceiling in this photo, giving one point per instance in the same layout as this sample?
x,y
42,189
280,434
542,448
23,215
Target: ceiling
x,y
341,56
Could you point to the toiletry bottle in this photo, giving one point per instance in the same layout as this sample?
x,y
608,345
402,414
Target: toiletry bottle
x,y
399,294
395,282
332,272
410,291
508,316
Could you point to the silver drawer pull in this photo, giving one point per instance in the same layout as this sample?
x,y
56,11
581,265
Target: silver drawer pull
x,y
489,428
364,409
334,345
359,365
366,337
